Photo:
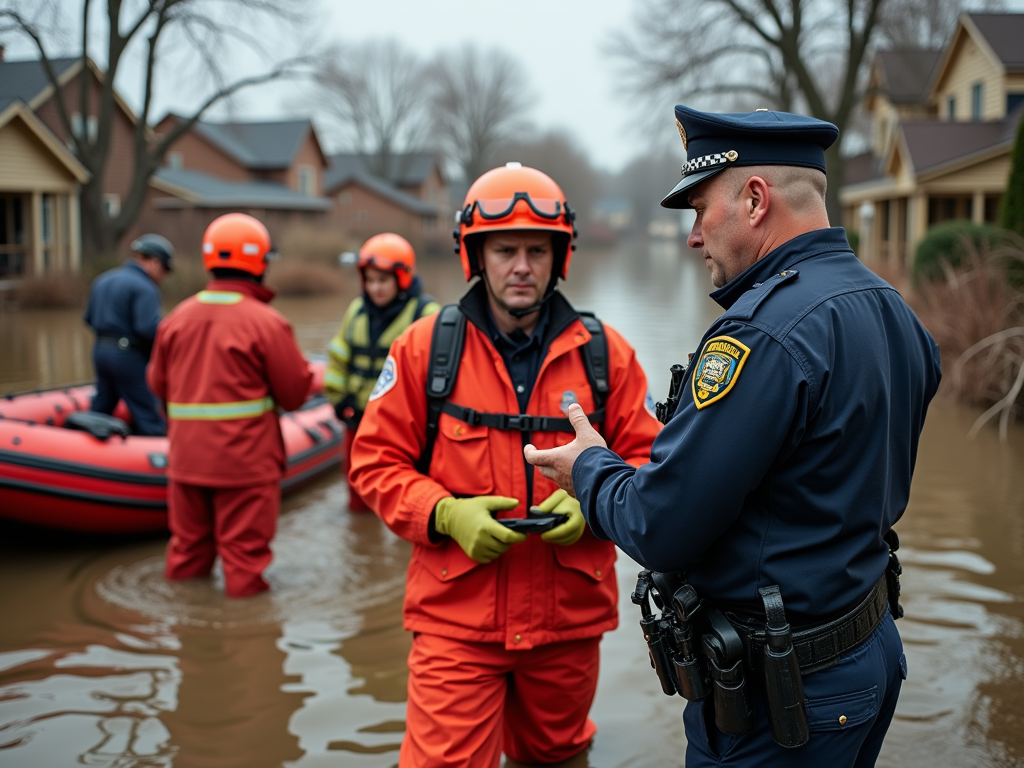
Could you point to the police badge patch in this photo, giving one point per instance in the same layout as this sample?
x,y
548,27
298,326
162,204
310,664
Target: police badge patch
x,y
717,370
387,379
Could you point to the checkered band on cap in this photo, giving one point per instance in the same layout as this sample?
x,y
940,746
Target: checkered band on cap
x,y
709,161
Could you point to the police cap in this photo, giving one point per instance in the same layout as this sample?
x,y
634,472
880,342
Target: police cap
x,y
716,141
155,247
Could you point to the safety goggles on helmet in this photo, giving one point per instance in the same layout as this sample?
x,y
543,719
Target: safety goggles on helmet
x,y
383,263
501,208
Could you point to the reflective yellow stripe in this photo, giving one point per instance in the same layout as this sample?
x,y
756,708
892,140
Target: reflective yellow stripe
x,y
244,409
333,377
218,297
340,351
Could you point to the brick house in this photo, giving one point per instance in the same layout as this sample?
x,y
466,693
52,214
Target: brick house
x,y
410,200
944,123
273,170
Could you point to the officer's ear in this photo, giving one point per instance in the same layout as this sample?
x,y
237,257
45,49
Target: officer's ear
x,y
757,196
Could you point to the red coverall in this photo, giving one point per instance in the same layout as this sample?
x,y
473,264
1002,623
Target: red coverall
x,y
535,614
223,362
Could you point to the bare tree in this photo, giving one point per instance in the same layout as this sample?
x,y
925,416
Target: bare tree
x,y
207,32
374,101
478,100
785,54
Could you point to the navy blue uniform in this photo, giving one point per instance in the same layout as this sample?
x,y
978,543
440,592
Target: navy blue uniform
x,y
787,461
124,310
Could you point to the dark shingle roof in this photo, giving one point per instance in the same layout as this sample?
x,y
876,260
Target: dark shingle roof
x,y
1004,32
388,192
27,79
257,146
217,193
906,74
934,143
406,169
860,168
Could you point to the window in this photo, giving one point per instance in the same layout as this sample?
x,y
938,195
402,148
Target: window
x,y
174,160
951,107
47,222
86,130
1013,100
112,204
306,181
977,95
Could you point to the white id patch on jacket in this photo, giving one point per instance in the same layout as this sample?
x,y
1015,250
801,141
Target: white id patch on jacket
x,y
387,379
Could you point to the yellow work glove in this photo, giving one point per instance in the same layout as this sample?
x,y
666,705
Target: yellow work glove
x,y
571,530
470,522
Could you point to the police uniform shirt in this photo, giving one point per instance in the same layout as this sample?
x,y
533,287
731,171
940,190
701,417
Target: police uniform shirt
x,y
787,460
124,302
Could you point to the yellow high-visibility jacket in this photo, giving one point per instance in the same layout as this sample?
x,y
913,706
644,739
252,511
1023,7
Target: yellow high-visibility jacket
x,y
353,362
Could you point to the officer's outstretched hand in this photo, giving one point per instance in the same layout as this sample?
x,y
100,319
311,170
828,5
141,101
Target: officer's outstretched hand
x,y
571,530
471,523
556,463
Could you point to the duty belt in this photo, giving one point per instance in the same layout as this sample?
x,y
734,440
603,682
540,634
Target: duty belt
x,y
124,342
820,646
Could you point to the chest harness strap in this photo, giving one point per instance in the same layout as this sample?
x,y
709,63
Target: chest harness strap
x,y
445,356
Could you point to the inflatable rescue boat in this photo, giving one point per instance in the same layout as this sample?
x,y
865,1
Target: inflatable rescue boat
x,y
64,467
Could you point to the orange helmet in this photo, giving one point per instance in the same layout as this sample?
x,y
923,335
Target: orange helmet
x,y
390,253
237,241
514,197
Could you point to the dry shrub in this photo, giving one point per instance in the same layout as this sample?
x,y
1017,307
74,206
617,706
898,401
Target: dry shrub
x,y
61,290
977,318
304,278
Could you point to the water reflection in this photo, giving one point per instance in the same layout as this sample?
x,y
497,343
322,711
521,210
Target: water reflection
x,y
104,663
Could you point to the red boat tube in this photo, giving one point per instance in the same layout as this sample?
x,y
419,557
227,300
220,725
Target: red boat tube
x,y
64,478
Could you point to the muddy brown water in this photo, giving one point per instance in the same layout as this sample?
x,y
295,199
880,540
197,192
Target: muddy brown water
x,y
103,663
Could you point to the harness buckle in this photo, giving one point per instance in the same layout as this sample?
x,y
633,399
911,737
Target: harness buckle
x,y
525,422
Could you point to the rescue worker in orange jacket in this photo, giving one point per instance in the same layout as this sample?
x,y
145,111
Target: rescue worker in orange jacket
x,y
507,624
392,299
224,362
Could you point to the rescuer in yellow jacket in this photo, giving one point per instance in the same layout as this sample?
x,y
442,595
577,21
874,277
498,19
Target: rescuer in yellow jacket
x,y
392,299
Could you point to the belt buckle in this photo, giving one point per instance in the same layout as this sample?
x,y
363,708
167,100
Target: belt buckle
x,y
123,343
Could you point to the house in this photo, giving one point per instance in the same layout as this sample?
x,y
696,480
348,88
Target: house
x,y
273,170
409,197
40,178
944,124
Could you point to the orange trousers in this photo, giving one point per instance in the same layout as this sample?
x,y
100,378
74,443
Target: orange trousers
x,y
469,702
235,523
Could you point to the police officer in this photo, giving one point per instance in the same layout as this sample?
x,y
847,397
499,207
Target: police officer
x,y
124,310
789,456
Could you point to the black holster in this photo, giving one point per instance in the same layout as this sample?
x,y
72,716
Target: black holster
x,y
656,632
734,713
664,411
893,571
783,685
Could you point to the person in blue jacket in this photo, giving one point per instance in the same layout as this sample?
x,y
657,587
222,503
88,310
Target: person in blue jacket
x,y
124,311
774,487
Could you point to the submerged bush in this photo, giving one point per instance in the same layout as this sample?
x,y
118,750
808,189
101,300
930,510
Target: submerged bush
x,y
947,245
61,290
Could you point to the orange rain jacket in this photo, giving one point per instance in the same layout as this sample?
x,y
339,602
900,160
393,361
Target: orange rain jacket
x,y
223,362
536,592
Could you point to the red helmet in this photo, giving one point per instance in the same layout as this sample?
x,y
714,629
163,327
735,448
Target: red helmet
x,y
237,241
514,197
390,253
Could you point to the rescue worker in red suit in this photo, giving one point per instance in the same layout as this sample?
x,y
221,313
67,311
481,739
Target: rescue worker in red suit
x,y
224,362
507,625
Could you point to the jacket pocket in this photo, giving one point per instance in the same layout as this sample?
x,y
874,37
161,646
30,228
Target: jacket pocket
x,y
585,590
446,586
462,456
834,713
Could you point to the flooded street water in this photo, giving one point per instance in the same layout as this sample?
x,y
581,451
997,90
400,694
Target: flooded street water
x,y
103,663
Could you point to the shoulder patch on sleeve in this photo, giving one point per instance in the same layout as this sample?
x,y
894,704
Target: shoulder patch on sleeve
x,y
718,368
387,379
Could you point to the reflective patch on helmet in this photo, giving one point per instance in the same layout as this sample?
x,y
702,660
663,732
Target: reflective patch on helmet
x,y
718,369
207,247
250,249
650,405
387,379
568,398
